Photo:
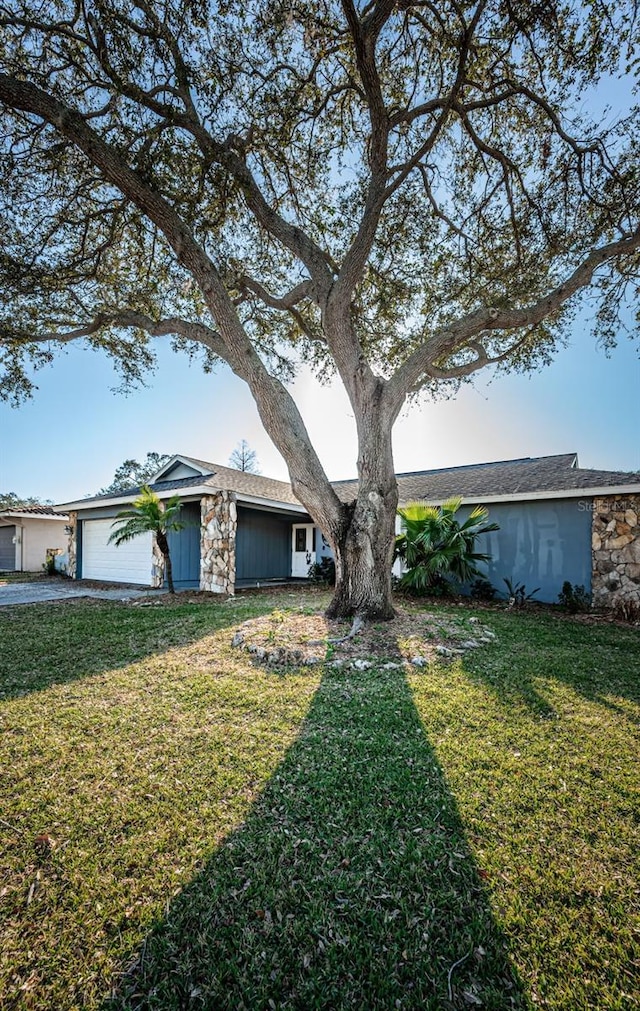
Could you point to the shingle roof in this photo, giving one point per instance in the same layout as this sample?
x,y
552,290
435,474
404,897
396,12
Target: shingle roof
x,y
502,477
473,482
36,510
229,479
218,479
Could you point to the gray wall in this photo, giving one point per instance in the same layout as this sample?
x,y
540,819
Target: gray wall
x,y
541,543
184,548
263,546
7,548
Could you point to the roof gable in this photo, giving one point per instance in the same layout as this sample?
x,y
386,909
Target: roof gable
x,y
179,467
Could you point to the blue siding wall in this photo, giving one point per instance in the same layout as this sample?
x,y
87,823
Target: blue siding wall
x,y
323,549
540,543
184,547
263,546
7,548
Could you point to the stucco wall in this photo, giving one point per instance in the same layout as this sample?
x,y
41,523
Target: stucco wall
x,y
38,535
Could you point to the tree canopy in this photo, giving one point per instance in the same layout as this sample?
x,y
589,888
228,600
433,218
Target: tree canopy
x,y
132,474
398,192
11,500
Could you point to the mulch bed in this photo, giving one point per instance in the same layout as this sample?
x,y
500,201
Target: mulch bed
x,y
283,638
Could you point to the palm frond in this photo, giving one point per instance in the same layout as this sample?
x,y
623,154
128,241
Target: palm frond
x,y
435,546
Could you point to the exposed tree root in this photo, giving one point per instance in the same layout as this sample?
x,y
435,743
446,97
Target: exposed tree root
x,y
358,625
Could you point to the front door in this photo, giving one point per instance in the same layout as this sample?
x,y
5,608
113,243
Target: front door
x,y
304,549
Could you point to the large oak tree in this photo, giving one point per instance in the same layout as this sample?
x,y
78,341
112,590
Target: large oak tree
x,y
398,192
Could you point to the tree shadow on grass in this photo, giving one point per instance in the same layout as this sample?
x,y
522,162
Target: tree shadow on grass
x,y
600,662
44,645
350,885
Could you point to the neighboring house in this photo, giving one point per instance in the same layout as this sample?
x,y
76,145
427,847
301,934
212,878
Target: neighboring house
x,y
28,535
557,522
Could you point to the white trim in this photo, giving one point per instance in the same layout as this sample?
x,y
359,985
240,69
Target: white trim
x,y
186,460
271,503
534,496
191,493
196,491
63,517
117,500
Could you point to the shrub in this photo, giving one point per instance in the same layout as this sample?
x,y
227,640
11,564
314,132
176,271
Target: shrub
x,y
482,589
323,572
518,595
574,598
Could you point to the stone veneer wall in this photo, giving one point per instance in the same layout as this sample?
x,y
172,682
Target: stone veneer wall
x,y
218,542
616,550
157,565
72,550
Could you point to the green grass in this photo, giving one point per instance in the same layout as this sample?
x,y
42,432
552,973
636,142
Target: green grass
x,y
227,837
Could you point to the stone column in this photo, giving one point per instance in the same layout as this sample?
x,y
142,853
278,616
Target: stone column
x,y
72,550
157,565
218,542
616,550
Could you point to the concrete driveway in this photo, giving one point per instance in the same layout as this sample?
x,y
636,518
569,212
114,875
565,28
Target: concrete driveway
x,y
54,589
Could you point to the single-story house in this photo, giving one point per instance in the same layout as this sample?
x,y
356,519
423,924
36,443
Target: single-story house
x,y
241,529
557,522
28,535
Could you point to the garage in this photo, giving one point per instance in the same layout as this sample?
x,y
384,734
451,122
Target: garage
x,y
129,563
7,548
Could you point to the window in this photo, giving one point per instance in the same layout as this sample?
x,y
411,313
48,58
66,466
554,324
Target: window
x,y
301,539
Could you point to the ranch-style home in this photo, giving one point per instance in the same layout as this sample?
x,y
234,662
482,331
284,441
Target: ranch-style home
x,y
558,522
28,535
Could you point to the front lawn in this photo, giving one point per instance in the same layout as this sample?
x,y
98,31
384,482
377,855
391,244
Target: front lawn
x,y
182,828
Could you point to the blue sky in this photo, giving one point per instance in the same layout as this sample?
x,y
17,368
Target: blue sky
x,y
68,440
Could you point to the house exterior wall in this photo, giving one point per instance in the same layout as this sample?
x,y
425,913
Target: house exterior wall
x,y
616,550
540,543
8,547
263,546
184,546
34,536
218,542
38,535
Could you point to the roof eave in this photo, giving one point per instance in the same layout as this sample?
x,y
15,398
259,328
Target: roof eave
x,y
534,496
16,514
193,492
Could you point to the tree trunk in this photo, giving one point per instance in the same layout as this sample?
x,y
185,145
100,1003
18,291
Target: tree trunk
x,y
363,546
363,557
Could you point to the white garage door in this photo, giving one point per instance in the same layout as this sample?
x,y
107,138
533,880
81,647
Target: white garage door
x,y
130,563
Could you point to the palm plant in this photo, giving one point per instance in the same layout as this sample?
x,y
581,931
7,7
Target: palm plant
x,y
436,547
148,515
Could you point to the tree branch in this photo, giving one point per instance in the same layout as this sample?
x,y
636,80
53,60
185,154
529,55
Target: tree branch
x,y
277,408
447,341
197,332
